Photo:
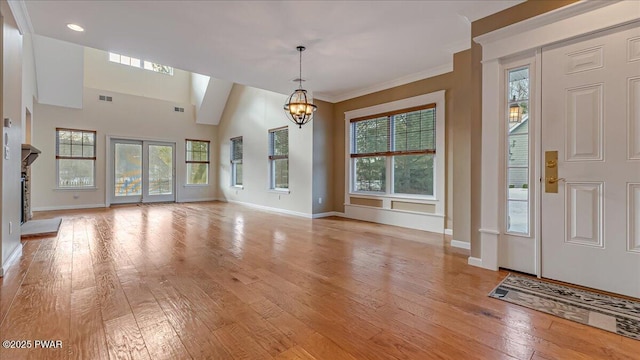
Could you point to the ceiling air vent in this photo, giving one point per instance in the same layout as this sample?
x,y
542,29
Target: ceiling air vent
x,y
105,98
178,109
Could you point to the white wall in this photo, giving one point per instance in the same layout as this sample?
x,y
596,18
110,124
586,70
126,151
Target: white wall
x,y
59,71
29,86
250,113
127,116
11,108
100,73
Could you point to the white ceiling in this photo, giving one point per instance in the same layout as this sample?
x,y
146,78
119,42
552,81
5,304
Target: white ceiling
x,y
353,47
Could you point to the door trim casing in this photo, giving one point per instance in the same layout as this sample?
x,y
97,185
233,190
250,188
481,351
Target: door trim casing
x,y
530,35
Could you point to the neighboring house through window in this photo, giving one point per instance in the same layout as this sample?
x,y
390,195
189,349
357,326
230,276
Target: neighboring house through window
x,y
279,158
76,158
236,161
197,159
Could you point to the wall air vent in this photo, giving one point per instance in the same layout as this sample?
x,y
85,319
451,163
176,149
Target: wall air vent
x,y
105,98
178,109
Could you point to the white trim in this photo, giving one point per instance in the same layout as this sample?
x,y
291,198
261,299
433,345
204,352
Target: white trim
x,y
69,207
327,214
271,209
567,23
489,231
435,71
190,200
15,255
474,261
20,13
408,219
461,244
448,232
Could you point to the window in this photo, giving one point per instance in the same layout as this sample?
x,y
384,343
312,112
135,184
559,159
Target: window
x,y
517,163
279,158
147,65
197,159
236,161
76,158
400,147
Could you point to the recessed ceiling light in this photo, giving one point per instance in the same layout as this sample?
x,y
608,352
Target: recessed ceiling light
x,y
75,27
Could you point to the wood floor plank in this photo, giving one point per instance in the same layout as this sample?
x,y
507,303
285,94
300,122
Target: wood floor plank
x,y
221,281
88,339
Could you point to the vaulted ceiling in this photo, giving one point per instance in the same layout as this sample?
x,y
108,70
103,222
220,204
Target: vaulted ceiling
x,y
353,47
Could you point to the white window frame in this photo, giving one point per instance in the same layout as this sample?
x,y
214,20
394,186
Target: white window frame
x,y
95,157
138,63
388,158
272,173
187,162
234,163
437,98
529,63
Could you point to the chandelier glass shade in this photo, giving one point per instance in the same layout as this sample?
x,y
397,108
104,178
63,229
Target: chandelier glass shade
x,y
299,106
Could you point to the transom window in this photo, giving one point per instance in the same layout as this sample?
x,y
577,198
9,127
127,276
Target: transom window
x,y
279,158
236,161
197,159
399,145
135,62
75,157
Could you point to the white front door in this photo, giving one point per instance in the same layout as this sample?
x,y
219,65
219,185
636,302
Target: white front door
x,y
142,171
591,117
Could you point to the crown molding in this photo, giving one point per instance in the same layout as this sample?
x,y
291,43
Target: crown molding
x,y
20,13
535,22
335,98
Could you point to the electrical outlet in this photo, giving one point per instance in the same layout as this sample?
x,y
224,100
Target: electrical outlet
x,y
320,200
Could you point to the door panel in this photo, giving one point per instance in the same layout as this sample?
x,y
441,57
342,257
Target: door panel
x,y
159,172
127,175
590,102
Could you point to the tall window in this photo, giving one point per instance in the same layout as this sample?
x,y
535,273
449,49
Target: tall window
x,y
76,158
399,146
135,62
197,158
236,161
517,156
279,158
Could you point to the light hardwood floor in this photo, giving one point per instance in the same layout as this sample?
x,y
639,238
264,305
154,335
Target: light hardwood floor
x,y
222,281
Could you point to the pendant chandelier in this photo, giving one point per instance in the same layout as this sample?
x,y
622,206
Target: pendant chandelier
x,y
299,106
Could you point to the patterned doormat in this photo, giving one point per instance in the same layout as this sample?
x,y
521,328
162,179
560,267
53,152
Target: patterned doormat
x,y
618,315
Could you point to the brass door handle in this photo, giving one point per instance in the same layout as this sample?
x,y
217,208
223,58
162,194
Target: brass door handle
x,y
553,180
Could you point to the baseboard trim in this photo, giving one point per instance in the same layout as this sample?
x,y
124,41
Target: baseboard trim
x,y
474,261
69,207
189,200
15,255
327,214
272,209
448,232
461,244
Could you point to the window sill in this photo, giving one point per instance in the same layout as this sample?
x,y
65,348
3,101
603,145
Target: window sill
x,y
88,188
280,191
414,198
237,187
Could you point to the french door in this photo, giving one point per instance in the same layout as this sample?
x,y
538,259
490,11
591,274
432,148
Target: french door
x,y
142,171
591,170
